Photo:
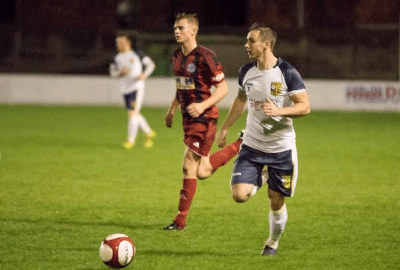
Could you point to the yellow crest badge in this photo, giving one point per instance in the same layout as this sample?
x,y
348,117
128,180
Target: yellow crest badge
x,y
286,181
276,88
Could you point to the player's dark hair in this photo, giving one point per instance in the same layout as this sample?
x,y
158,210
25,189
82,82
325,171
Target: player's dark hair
x,y
266,33
191,17
126,37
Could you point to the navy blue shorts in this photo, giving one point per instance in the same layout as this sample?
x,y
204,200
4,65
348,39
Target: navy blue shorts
x,y
282,169
130,100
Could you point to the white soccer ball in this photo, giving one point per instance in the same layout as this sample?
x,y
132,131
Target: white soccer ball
x,y
117,250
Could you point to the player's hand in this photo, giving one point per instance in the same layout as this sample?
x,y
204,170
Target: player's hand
x,y
270,108
195,109
222,138
169,120
124,71
142,77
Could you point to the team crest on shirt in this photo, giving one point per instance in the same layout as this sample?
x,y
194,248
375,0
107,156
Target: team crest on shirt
x,y
286,181
276,88
132,60
191,68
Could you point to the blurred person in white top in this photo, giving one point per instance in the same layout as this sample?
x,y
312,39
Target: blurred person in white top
x,y
133,68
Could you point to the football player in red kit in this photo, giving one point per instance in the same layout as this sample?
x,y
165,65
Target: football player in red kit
x,y
196,70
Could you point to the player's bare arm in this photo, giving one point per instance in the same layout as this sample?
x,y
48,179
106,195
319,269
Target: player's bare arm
x,y
300,108
237,108
196,109
169,118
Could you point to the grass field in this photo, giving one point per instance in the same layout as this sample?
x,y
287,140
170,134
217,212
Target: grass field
x,y
66,183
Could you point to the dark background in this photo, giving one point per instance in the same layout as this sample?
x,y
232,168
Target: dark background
x,y
344,39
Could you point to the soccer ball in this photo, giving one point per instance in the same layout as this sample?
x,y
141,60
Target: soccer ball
x,y
117,250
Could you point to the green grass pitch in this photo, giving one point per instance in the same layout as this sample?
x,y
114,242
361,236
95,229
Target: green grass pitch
x,y
66,183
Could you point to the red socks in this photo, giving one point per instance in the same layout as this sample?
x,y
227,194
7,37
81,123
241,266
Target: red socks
x,y
224,155
187,193
188,190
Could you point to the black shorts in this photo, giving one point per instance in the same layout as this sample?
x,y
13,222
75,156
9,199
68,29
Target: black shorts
x,y
282,169
130,100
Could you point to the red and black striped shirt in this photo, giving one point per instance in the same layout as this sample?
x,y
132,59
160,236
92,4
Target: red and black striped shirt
x,y
195,74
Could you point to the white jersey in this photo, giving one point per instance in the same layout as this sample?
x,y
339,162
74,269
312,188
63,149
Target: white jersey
x,y
133,61
269,134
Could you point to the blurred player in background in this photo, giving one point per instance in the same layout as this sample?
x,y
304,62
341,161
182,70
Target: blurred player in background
x,y
133,68
196,70
274,93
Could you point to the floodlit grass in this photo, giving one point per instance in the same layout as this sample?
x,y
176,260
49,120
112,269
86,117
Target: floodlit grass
x,y
66,183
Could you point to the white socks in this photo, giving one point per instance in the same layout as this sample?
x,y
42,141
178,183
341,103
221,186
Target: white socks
x,y
135,122
144,125
277,223
133,126
254,192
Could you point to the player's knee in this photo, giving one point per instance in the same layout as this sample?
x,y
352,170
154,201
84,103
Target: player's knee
x,y
185,170
276,204
203,173
240,197
205,169
188,170
241,192
132,113
201,176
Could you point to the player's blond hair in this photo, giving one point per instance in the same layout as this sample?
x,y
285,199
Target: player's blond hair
x,y
266,33
190,17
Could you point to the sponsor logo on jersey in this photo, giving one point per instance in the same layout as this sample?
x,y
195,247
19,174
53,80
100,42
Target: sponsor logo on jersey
x,y
219,77
191,68
286,181
184,83
271,125
256,104
276,88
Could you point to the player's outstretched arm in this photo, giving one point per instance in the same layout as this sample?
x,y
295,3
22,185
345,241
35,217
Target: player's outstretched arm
x,y
237,108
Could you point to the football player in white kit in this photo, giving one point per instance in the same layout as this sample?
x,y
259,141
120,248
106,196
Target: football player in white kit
x,y
133,68
274,93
